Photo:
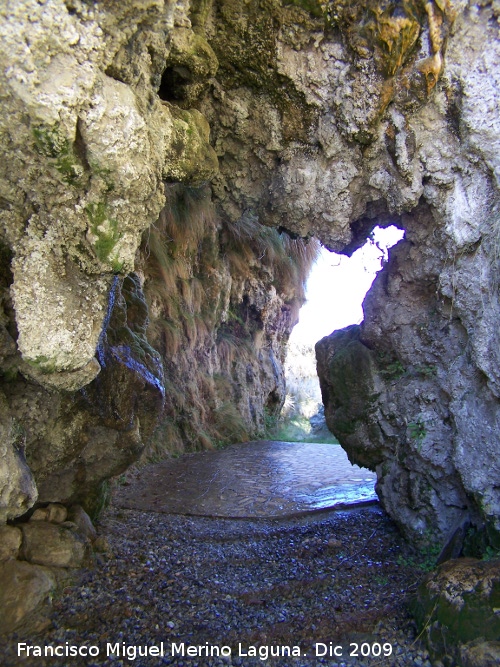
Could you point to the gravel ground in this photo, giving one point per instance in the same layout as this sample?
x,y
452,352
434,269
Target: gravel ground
x,y
336,579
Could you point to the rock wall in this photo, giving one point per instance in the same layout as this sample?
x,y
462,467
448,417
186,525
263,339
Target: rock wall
x,y
130,300
86,149
134,318
129,305
408,392
223,299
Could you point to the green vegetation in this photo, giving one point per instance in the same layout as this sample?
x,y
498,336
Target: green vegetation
x,y
195,267
417,431
425,559
50,143
428,370
96,502
104,173
491,553
106,230
174,288
248,244
230,424
393,371
43,363
298,429
17,435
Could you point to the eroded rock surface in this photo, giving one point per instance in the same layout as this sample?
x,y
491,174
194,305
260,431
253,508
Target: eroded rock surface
x,y
458,604
25,589
87,145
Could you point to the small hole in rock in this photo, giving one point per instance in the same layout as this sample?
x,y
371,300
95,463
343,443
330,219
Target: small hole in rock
x,y
172,84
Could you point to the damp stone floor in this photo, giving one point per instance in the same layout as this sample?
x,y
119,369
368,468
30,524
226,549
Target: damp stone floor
x,y
259,479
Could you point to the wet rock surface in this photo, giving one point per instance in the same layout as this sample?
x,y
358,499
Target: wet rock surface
x,y
250,480
341,577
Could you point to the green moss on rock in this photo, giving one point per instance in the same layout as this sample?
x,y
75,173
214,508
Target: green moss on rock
x,y
50,143
457,604
105,230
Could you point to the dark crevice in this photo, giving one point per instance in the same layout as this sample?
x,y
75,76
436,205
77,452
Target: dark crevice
x,y
80,147
376,216
173,82
113,74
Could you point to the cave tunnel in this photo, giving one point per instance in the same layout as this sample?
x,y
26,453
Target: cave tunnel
x,y
308,469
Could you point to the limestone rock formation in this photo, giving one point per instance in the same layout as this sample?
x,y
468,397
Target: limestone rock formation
x,y
458,604
25,589
100,121
87,146
348,115
129,299
86,152
395,389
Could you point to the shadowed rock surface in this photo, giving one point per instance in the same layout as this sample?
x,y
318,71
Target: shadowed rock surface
x,y
458,604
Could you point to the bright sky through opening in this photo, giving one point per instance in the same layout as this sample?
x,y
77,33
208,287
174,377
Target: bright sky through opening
x,y
337,286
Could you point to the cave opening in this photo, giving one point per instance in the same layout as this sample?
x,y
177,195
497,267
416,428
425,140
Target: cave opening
x,y
335,290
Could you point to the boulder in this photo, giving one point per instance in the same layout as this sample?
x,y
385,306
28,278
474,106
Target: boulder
x,y
18,490
10,542
457,610
480,654
82,520
53,545
24,590
54,512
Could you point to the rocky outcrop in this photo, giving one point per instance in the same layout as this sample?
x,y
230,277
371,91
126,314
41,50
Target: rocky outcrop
x,y
353,115
108,124
222,302
87,146
408,393
457,609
